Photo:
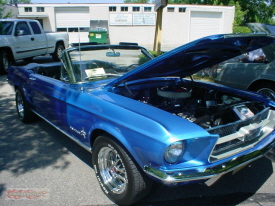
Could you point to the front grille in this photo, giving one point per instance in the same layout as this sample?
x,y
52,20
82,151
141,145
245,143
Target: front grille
x,y
239,134
231,128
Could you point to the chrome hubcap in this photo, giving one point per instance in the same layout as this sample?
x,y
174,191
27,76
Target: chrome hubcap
x,y
59,52
112,170
20,105
268,92
6,62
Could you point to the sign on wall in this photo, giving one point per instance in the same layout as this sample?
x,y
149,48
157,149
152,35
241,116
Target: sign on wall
x,y
144,19
121,19
133,19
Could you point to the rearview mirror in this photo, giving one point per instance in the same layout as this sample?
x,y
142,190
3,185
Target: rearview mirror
x,y
112,54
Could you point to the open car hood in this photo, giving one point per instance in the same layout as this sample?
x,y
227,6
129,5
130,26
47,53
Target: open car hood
x,y
197,55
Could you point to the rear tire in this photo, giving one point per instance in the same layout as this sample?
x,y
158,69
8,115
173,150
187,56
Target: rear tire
x,y
57,53
23,109
5,62
119,177
267,89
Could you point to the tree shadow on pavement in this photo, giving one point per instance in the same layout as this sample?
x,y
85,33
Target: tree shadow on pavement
x,y
24,148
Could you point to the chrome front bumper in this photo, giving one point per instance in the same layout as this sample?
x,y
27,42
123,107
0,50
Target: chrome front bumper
x,y
213,170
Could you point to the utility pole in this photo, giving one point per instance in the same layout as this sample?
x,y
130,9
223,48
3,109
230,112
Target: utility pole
x,y
159,5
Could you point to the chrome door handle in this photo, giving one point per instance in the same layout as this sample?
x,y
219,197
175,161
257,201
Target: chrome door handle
x,y
32,78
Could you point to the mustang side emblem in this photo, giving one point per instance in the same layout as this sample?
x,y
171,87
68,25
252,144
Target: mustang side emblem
x,y
82,132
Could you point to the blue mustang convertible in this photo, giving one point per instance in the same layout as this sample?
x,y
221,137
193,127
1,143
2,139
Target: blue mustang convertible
x,y
146,118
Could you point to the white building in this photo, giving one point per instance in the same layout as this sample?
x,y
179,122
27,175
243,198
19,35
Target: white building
x,y
132,22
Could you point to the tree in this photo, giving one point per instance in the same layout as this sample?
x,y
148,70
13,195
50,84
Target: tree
x,y
258,10
4,15
239,14
247,11
19,1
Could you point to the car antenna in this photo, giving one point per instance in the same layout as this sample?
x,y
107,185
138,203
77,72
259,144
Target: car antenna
x,y
79,43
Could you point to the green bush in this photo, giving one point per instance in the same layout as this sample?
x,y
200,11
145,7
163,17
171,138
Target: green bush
x,y
241,29
143,59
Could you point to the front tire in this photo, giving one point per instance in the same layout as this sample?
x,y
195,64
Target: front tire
x,y
23,109
267,89
5,62
57,53
119,177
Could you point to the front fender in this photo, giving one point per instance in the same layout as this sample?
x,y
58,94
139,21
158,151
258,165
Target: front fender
x,y
142,148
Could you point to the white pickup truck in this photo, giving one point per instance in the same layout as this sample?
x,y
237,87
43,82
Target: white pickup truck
x,y
25,39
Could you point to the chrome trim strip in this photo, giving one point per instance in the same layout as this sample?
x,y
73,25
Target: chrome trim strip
x,y
72,138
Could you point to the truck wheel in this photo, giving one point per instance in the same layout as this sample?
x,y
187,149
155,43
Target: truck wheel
x,y
267,89
23,109
57,53
119,177
5,62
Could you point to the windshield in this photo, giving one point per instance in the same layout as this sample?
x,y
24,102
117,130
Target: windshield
x,y
103,64
6,28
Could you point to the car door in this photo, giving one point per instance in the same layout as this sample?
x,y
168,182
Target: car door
x,y
24,41
39,38
48,95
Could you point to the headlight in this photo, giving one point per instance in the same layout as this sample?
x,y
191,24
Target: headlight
x,y
174,152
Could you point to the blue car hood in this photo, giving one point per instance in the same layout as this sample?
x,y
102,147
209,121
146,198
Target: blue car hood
x,y
197,55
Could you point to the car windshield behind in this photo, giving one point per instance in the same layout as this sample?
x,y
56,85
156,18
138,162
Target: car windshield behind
x,y
105,63
6,28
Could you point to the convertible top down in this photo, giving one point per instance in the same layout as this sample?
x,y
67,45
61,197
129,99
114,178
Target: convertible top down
x,y
145,118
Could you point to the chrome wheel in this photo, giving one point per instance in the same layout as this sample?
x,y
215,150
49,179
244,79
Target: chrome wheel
x,y
6,62
58,52
118,175
268,92
23,108
112,170
20,105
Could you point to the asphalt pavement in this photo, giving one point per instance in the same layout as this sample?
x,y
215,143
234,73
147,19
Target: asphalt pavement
x,y
38,158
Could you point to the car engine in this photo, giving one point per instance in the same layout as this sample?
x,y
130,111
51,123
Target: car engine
x,y
200,105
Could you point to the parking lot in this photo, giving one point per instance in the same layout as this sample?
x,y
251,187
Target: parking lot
x,y
37,156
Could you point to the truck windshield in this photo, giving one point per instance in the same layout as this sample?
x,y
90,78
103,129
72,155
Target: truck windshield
x,y
6,28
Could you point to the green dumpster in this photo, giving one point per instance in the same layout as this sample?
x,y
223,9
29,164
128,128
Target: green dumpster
x,y
98,36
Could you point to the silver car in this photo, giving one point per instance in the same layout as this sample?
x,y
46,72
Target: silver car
x,y
254,76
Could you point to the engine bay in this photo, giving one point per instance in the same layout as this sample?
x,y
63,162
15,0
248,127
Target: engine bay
x,y
201,105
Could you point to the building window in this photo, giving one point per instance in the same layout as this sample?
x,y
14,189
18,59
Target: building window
x,y
73,29
136,8
147,9
124,8
170,9
28,9
112,8
61,29
182,9
40,9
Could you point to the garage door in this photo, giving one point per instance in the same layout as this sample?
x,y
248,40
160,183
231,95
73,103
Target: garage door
x,y
73,20
204,24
